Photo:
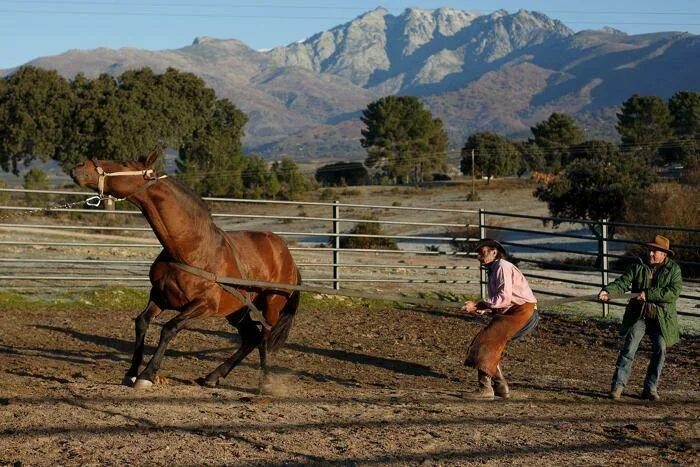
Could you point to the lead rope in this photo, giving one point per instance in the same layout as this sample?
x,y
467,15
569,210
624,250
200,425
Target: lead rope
x,y
92,201
46,210
253,311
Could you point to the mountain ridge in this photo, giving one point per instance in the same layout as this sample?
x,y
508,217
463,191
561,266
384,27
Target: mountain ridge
x,y
499,71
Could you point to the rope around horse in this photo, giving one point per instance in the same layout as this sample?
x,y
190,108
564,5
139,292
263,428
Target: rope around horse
x,y
442,304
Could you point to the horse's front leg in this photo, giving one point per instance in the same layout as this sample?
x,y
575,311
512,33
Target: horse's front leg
x,y
194,310
141,324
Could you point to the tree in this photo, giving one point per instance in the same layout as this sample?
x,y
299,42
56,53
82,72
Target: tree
x,y
554,136
43,115
533,157
35,179
402,138
292,182
35,109
684,147
342,173
494,155
644,123
682,150
211,159
684,107
258,180
599,150
600,183
374,241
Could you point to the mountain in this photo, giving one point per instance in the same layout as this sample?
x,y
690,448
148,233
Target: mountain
x,y
502,72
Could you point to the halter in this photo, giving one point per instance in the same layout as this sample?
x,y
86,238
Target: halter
x,y
147,174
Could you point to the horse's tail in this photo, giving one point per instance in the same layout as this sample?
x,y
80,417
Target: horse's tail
x,y
280,331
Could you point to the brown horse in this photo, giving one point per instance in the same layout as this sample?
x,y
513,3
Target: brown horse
x,y
184,226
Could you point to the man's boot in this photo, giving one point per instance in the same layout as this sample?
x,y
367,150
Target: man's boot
x,y
616,393
500,385
650,394
485,390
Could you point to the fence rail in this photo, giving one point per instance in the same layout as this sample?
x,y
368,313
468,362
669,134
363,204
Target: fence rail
x,y
430,248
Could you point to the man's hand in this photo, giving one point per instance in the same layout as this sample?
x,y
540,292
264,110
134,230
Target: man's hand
x,y
603,296
469,307
642,297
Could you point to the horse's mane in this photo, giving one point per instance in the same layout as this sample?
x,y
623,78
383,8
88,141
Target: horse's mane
x,y
188,193
192,205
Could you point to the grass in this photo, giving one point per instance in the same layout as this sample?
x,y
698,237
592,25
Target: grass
x,y
129,299
108,299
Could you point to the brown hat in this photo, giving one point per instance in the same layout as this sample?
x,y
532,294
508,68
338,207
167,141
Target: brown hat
x,y
661,243
491,243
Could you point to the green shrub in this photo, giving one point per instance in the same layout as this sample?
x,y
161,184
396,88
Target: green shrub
x,y
672,204
366,228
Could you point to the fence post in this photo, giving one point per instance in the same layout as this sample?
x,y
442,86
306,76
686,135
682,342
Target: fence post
x,y
110,205
482,271
603,251
336,244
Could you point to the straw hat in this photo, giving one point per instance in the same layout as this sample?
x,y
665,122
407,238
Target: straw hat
x,y
661,243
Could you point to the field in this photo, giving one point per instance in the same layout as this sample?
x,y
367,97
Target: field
x,y
359,383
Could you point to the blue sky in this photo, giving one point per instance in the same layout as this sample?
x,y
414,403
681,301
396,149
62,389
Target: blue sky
x,y
35,28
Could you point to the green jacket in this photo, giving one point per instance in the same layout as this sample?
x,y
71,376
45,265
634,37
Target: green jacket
x,y
664,295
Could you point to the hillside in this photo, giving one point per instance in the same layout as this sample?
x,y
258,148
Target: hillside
x,y
501,72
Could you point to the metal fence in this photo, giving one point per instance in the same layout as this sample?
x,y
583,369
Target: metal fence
x,y
42,247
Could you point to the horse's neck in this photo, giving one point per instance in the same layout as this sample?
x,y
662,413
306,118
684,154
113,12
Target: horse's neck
x,y
183,226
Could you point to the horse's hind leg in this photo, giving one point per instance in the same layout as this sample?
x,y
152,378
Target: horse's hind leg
x,y
251,337
141,324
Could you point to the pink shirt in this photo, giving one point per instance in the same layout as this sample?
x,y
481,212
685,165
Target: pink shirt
x,y
507,286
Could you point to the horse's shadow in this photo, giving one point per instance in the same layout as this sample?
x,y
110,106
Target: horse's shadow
x,y
126,347
397,366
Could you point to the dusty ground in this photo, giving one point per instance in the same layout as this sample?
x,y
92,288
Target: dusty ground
x,y
356,385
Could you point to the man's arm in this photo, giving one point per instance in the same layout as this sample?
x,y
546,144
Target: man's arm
x,y
622,284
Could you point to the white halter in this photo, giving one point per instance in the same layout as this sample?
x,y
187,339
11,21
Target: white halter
x,y
147,174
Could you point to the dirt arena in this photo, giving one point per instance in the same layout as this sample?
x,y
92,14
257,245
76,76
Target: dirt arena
x,y
358,385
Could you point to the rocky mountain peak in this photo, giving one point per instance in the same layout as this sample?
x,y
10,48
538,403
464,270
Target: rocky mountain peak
x,y
421,26
377,49
613,31
204,40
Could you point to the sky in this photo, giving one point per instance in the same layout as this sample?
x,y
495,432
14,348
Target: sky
x,y
37,28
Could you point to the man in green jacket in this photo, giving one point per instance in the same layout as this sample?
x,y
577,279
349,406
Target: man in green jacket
x,y
653,312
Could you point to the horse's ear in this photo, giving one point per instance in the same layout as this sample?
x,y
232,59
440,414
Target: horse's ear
x,y
152,157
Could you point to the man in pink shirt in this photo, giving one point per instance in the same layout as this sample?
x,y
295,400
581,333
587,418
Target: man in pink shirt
x,y
512,304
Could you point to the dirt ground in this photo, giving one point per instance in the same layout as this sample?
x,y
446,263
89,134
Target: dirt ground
x,y
359,385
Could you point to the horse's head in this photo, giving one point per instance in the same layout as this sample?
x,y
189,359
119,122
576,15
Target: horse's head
x,y
115,178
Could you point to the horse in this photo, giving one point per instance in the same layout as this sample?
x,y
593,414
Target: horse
x,y
193,242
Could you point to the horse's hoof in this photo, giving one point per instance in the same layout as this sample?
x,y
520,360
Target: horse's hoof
x,y
143,384
207,383
129,380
